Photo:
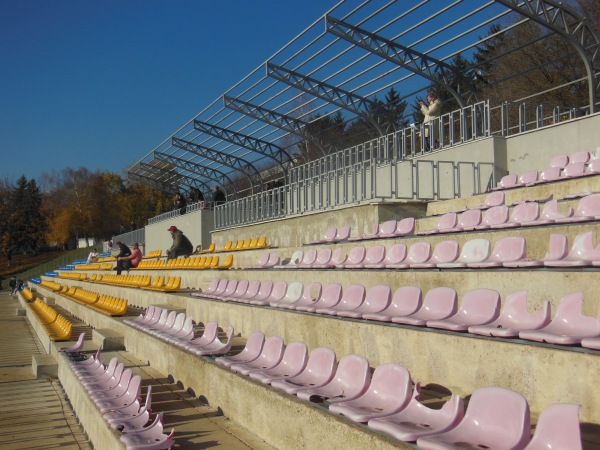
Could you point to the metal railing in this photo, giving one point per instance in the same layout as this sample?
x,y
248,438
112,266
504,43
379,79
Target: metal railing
x,y
177,212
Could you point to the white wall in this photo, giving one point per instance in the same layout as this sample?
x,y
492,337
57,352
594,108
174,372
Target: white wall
x,y
196,225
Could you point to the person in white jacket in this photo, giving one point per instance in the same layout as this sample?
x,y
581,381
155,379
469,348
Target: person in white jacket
x,y
431,112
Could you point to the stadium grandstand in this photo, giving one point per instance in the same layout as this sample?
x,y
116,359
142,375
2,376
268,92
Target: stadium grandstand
x,y
372,280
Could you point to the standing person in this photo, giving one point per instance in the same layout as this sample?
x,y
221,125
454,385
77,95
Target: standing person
x,y
218,196
181,244
132,260
431,112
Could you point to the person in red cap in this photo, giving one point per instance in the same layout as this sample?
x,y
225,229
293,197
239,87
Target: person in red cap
x,y
181,244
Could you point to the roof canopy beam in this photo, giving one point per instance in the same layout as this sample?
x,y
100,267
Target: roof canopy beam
x,y
331,94
278,120
234,162
419,63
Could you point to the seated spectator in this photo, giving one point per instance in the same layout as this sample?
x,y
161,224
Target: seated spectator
x,y
181,244
93,256
132,260
123,250
218,196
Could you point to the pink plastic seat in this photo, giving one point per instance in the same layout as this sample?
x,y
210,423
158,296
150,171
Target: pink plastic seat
x,y
557,249
263,295
271,354
526,213
292,294
587,209
514,318
211,287
496,215
250,293
418,253
439,303
113,392
374,234
309,257
229,290
342,233
507,182
550,213
579,157
445,222
352,298
547,175
328,236
418,420
478,307
330,296
161,325
322,260
495,198
147,315
406,227
559,161
209,334
240,290
130,395
377,299
569,325
475,250
320,370
506,249
292,363
528,177
496,418
593,167
444,252
250,352
388,393
466,221
310,294
132,417
394,255
273,261
406,301
262,261
355,257
582,253
351,380
92,361
557,428
374,255
216,347
222,285
175,328
185,334
388,229
150,438
102,383
76,347
278,291
102,376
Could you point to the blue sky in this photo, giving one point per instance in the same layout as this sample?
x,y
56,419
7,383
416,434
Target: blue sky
x,y
101,83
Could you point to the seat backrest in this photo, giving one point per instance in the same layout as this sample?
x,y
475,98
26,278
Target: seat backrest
x,y
388,227
311,292
331,295
309,257
396,254
448,220
588,205
525,212
495,198
574,169
321,363
558,427
579,157
558,247
419,252
293,292
264,259
241,288
272,350
583,246
356,255
496,215
296,257
515,312
475,250
406,226
330,234
510,248
406,300
278,291
480,302
377,298
445,251
324,256
559,161
343,233
375,254
469,218
529,177
353,296
493,408
508,181
390,384
442,300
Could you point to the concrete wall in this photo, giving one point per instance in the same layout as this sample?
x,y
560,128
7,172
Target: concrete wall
x,y
534,149
197,226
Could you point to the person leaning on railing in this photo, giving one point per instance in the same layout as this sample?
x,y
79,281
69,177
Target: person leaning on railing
x,y
431,113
